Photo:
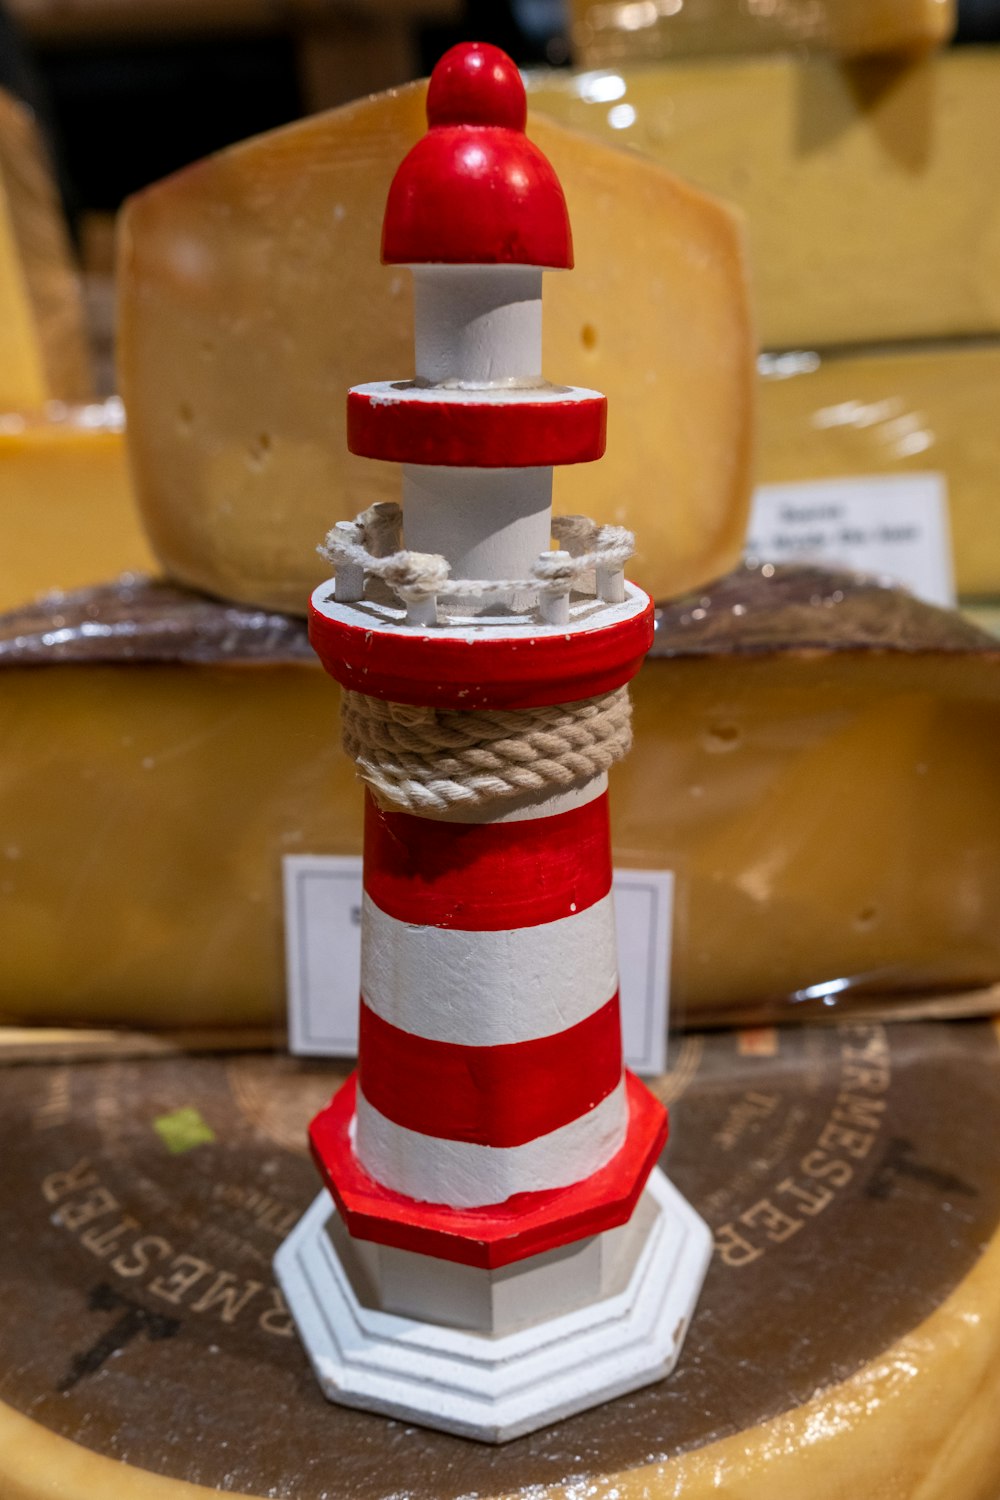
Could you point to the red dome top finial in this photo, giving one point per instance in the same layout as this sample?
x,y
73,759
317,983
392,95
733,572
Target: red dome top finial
x,y
476,84
475,190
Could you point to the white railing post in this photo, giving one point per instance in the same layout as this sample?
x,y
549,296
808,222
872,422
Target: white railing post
x,y
349,580
553,597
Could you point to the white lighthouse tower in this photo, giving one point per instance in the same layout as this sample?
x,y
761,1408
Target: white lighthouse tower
x,y
495,1248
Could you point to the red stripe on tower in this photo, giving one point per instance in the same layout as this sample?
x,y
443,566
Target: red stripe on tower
x,y
492,1096
487,876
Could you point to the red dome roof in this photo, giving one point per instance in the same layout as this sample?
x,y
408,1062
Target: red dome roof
x,y
474,190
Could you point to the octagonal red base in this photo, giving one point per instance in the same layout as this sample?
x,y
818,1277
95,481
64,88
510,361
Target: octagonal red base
x,y
497,1235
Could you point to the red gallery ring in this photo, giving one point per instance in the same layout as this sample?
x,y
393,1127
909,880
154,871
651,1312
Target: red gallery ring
x,y
448,669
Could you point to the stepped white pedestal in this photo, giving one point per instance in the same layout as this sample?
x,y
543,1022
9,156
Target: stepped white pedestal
x,y
461,1348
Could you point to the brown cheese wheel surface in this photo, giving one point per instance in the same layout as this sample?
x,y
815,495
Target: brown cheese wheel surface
x,y
848,1334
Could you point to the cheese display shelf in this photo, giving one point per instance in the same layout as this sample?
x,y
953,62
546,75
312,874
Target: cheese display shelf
x,y
848,1339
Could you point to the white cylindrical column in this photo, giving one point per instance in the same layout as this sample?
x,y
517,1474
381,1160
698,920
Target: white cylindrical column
x,y
487,523
477,325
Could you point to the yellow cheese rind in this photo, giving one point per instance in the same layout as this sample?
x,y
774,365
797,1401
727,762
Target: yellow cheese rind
x,y
604,34
66,510
252,296
832,820
917,1423
43,347
872,210
896,412
146,811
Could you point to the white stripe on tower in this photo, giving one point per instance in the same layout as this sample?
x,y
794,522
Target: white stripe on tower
x,y
466,1175
488,989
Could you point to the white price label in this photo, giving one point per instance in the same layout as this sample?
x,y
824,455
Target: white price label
x,y
323,957
895,525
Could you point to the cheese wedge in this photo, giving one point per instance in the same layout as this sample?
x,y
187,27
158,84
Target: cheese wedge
x,y
843,1174
824,744
895,412
66,508
820,777
151,795
252,297
872,210
605,33
43,349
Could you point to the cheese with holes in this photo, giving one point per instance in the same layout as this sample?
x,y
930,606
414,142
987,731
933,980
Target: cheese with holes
x,y
895,412
823,785
853,1302
872,209
66,510
43,350
252,297
815,759
606,32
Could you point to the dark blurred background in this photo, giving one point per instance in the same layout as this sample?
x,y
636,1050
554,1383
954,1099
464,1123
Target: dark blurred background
x,y
129,90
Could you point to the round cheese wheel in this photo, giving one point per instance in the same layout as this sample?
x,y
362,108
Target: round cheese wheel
x,y
847,1341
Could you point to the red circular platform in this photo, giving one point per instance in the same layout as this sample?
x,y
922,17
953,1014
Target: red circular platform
x,y
462,669
510,429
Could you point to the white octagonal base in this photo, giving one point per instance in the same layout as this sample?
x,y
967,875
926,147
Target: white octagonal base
x,y
498,1387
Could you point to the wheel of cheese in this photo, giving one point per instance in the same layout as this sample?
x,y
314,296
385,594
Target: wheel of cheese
x,y
847,1342
814,759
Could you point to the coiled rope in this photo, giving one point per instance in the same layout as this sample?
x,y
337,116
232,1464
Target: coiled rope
x,y
430,760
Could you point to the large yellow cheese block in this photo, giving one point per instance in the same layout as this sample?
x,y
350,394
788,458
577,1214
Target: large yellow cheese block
x,y
252,297
847,1341
148,795
857,413
815,759
872,208
43,351
66,508
620,31
817,763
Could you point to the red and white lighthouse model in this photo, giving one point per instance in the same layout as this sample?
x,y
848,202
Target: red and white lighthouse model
x,y
495,1247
